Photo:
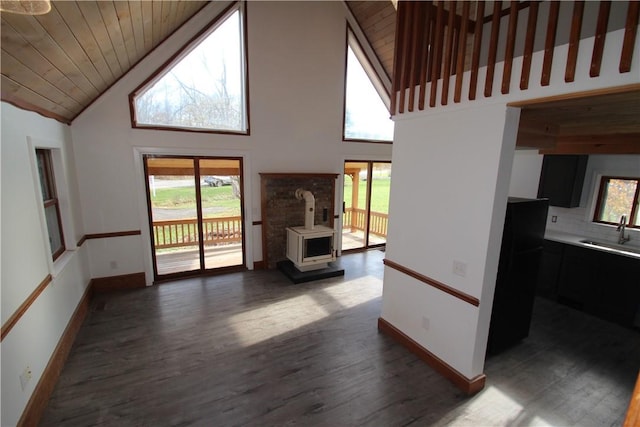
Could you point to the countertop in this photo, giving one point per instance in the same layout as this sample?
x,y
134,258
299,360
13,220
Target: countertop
x,y
612,248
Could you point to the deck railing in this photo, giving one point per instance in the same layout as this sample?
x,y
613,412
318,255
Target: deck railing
x,y
184,232
356,219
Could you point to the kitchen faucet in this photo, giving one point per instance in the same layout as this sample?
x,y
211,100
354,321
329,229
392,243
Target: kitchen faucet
x,y
621,227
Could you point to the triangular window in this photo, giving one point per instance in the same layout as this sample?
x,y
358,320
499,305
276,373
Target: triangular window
x,y
366,117
204,87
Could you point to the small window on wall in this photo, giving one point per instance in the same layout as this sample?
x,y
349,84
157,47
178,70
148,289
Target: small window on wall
x,y
366,115
204,88
50,202
618,197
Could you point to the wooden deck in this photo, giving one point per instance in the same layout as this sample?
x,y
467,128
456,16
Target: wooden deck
x,y
355,239
187,259
179,260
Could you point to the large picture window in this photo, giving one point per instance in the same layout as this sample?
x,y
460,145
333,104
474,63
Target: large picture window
x,y
204,88
618,197
366,116
50,202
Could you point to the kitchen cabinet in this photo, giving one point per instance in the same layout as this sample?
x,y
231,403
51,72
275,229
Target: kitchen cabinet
x,y
576,283
561,179
618,288
550,266
599,283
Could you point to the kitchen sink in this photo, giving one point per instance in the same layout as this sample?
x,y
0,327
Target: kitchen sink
x,y
611,246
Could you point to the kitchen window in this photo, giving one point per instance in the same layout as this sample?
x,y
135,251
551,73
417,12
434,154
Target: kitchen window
x,y
50,202
618,197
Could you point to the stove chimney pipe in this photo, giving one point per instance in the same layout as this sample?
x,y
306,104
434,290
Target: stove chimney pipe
x,y
309,207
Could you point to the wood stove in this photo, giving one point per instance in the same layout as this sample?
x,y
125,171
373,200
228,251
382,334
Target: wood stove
x,y
311,249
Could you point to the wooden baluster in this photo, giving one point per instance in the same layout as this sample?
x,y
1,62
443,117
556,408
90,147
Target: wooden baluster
x,y
628,43
574,41
493,47
446,76
454,54
601,34
397,57
416,48
511,43
436,64
405,60
462,47
550,42
425,53
477,46
528,45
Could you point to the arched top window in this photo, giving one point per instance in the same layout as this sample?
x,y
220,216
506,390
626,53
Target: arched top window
x,y
204,87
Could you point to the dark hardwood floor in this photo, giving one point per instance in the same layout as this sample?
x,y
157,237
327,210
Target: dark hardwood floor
x,y
253,349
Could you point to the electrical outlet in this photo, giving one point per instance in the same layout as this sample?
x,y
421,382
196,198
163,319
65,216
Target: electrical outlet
x,y
425,323
459,268
113,265
25,377
554,218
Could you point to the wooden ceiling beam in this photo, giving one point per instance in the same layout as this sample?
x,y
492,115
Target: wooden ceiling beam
x,y
538,128
620,138
594,148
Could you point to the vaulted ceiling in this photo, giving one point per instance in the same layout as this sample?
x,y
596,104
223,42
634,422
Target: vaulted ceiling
x,y
58,63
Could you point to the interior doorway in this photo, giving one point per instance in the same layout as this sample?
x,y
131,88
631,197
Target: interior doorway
x,y
195,207
365,213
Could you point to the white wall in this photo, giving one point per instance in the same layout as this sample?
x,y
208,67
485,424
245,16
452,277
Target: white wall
x,y
525,175
452,174
441,214
296,73
25,256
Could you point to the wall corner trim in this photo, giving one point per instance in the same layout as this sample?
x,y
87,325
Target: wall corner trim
x,y
468,386
40,397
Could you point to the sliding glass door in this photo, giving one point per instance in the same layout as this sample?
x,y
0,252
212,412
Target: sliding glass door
x,y
195,214
366,204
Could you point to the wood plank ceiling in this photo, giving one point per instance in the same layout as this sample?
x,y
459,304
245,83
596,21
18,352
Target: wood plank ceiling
x,y
58,63
377,19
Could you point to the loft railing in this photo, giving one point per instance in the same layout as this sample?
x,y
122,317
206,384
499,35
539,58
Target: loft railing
x,y
433,45
184,232
356,219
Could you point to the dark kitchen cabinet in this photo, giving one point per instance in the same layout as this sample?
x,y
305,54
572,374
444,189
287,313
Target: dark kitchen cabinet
x,y
561,179
577,284
599,283
618,288
550,266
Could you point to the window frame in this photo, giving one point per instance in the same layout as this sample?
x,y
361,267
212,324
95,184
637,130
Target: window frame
x,y
48,181
632,219
239,6
375,79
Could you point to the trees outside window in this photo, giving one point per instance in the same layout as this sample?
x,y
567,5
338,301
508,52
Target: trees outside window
x,y
204,88
618,196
